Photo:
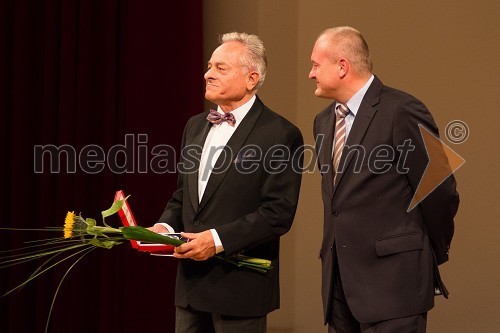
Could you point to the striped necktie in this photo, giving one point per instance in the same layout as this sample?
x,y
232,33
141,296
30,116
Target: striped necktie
x,y
340,133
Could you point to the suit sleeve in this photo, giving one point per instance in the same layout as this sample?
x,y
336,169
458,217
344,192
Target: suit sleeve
x,y
440,206
279,198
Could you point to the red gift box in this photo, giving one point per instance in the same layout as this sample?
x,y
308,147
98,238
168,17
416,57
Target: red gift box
x,y
128,219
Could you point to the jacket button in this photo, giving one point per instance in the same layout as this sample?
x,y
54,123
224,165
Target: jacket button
x,y
335,213
196,222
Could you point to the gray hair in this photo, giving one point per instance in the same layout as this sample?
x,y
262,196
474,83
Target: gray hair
x,y
255,58
350,44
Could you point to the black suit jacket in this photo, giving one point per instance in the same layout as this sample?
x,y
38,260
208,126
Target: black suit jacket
x,y
387,256
250,200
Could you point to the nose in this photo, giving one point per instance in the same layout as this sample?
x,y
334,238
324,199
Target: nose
x,y
312,74
208,74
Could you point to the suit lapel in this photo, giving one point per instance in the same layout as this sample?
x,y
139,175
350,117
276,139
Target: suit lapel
x,y
198,142
366,112
225,161
326,128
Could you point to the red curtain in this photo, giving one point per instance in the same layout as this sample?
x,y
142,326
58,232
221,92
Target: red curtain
x,y
118,78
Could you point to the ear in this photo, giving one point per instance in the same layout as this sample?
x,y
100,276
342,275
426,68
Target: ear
x,y
344,67
252,80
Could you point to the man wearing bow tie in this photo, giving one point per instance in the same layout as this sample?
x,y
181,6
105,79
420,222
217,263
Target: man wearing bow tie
x,y
237,193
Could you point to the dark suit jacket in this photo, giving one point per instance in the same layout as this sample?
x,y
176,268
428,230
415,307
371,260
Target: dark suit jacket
x,y
250,200
387,256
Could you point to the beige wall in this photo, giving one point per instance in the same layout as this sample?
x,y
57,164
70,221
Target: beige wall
x,y
444,52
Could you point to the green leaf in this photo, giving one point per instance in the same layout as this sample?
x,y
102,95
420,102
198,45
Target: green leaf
x,y
145,235
107,244
115,207
90,223
91,228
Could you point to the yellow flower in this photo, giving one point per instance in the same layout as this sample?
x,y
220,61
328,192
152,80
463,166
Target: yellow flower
x,y
68,224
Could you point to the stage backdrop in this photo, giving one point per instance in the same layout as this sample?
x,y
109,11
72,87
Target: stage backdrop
x,y
122,77
446,54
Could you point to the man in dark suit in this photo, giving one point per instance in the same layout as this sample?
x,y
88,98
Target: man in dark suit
x,y
237,193
379,257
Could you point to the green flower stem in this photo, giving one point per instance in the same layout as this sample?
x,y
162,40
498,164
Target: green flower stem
x,y
32,256
46,269
86,251
144,235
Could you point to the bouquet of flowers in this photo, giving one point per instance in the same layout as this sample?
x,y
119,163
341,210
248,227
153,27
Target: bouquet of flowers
x,y
83,235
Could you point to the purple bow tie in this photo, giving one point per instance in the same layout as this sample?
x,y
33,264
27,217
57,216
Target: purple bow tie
x,y
216,118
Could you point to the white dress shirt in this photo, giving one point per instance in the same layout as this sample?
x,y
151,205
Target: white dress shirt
x,y
216,140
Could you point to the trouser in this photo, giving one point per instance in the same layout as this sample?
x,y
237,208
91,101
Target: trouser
x,y
342,320
193,321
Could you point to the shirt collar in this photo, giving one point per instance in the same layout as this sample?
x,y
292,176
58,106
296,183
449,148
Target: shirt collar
x,y
240,112
354,103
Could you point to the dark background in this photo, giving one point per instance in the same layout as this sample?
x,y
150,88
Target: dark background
x,y
80,73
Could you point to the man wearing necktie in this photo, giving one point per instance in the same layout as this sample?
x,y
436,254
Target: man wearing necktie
x,y
379,258
233,196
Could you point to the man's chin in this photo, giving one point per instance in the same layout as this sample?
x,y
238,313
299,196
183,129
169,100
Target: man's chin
x,y
319,93
210,96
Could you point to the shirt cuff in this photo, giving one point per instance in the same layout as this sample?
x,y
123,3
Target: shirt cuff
x,y
169,228
218,244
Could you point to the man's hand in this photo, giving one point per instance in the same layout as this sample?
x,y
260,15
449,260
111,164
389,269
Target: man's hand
x,y
158,228
200,247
